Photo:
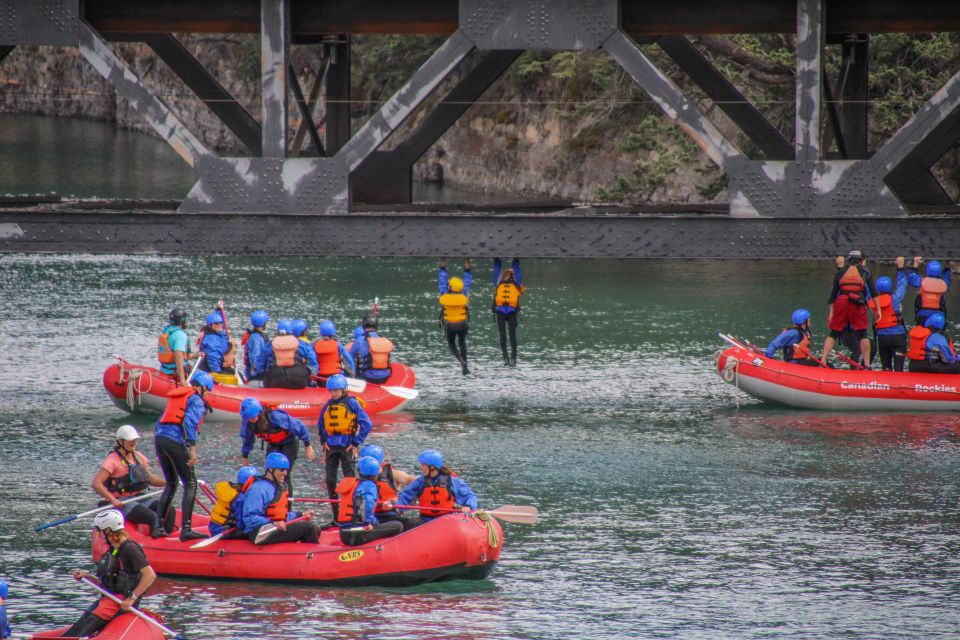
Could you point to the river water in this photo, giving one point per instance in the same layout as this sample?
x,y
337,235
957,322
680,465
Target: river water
x,y
668,511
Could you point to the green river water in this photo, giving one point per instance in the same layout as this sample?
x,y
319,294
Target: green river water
x,y
667,510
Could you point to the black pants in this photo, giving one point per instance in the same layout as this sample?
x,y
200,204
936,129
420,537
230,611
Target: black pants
x,y
89,624
295,377
925,366
173,457
457,339
290,448
143,513
381,530
888,347
303,531
338,457
505,320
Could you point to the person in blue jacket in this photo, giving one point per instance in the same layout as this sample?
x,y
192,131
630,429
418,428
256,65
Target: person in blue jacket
x,y
508,288
930,350
305,348
436,490
794,341
358,501
454,313
232,515
256,346
933,286
282,433
267,502
363,354
5,630
343,426
219,353
175,441
891,334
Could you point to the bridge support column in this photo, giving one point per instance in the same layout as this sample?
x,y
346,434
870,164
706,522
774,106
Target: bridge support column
x,y
274,48
337,91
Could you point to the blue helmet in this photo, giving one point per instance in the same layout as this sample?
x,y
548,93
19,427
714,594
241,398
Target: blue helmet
x,y
203,379
245,474
368,466
934,270
358,332
4,589
327,328
800,316
250,408
285,326
259,318
884,284
276,460
337,381
373,451
299,326
935,321
214,318
431,458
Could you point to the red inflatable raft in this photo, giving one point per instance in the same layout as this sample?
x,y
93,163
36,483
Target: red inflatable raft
x,y
452,547
124,627
140,389
836,389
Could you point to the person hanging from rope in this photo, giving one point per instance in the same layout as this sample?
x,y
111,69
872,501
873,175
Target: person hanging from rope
x,y
454,313
506,305
794,341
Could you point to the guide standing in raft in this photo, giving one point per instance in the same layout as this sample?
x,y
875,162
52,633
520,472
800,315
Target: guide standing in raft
x,y
852,290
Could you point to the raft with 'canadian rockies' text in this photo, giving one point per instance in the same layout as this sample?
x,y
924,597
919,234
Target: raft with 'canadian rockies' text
x,y
806,387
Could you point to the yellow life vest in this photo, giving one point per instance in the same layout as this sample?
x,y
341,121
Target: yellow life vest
x,y
226,493
339,419
454,307
507,295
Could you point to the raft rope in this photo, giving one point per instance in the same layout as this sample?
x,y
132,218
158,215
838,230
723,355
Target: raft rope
x,y
493,538
135,388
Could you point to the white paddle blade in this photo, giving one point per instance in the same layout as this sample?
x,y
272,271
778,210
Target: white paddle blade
x,y
516,513
265,532
356,385
402,392
207,542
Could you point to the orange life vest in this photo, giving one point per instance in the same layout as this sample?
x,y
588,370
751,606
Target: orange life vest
x,y
347,510
380,349
328,357
285,350
931,292
386,488
176,407
164,353
851,281
454,307
507,294
883,305
338,419
800,350
918,343
273,434
278,507
436,494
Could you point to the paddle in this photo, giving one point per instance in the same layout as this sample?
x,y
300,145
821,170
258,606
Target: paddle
x,y
267,530
67,519
353,384
226,330
751,347
208,541
402,392
376,304
166,630
200,357
507,513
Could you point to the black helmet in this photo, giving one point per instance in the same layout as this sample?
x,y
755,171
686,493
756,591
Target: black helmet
x,y
369,322
178,317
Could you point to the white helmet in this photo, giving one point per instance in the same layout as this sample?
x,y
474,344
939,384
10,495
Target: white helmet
x,y
109,520
127,432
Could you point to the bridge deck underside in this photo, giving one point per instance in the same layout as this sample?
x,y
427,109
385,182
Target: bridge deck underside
x,y
434,231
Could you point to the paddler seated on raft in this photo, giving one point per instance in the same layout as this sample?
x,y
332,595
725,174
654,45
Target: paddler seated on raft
x,y
930,350
343,425
851,292
933,287
173,347
227,512
437,489
356,513
332,358
219,352
124,572
305,350
390,481
372,352
281,431
125,473
267,501
256,346
287,369
888,320
454,313
5,630
794,341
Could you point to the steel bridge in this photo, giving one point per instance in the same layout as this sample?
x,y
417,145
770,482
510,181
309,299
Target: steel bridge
x,y
789,198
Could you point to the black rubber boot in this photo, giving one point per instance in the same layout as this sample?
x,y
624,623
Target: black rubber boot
x,y
465,370
158,531
186,533
513,360
506,360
